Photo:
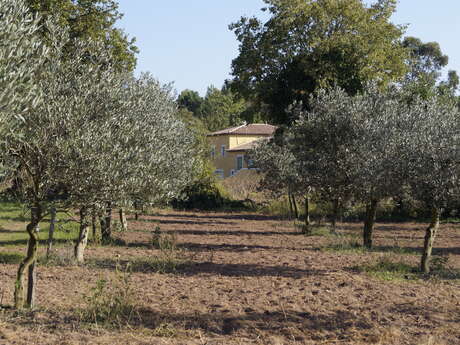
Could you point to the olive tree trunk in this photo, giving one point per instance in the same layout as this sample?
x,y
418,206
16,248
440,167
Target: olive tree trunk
x,y
335,215
307,229
82,240
95,237
296,210
430,235
136,210
106,224
51,231
28,264
290,205
123,220
371,213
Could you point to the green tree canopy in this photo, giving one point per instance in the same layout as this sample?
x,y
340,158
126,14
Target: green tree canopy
x,y
425,64
308,44
91,19
190,100
221,109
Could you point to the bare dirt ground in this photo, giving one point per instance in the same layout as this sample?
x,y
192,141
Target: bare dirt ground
x,y
249,279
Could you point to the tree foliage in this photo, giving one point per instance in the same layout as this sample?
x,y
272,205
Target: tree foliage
x,y
425,64
311,44
190,100
91,133
221,109
91,20
21,57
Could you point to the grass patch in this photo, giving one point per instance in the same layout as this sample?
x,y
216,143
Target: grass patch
x,y
11,258
349,244
451,221
345,245
13,222
167,261
385,269
388,270
317,230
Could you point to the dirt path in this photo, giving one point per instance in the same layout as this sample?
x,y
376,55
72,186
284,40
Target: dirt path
x,y
249,279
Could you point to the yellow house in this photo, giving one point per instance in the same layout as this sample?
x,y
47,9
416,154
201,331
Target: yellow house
x,y
229,146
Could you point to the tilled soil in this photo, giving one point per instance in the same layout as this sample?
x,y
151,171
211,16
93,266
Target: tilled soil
x,y
246,279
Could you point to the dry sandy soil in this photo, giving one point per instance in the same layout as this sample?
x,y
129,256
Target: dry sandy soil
x,y
249,279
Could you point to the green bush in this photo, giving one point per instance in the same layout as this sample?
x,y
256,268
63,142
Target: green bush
x,y
202,195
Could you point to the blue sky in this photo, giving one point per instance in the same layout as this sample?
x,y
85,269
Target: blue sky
x,y
188,42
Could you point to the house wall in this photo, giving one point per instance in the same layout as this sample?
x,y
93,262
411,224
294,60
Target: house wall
x,y
236,140
227,163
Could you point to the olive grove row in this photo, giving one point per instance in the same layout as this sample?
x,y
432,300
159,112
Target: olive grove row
x,y
367,148
77,134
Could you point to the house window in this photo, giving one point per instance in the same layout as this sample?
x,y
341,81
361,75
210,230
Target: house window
x,y
232,172
219,173
239,162
213,152
250,163
222,150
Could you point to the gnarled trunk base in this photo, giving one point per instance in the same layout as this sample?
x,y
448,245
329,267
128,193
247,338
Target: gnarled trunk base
x,y
430,236
123,220
28,264
82,240
371,213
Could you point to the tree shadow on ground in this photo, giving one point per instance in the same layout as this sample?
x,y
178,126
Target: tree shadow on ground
x,y
339,325
159,264
199,247
185,222
14,219
23,242
426,312
290,324
231,232
239,216
11,232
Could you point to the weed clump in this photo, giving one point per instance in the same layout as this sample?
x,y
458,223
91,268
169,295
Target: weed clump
x,y
111,303
163,241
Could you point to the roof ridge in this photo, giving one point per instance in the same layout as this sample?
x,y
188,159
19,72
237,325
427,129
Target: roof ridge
x,y
237,128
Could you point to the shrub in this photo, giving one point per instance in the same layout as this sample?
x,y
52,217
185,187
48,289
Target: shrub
x,y
201,195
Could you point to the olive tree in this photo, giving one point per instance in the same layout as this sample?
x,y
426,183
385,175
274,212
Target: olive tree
x,y
323,141
279,168
22,59
428,139
32,151
346,148
375,151
136,149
